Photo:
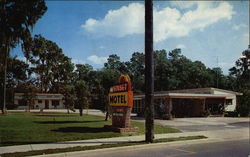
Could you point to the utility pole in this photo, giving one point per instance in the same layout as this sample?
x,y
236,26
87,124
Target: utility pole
x,y
149,72
217,72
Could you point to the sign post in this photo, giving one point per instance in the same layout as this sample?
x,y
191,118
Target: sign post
x,y
121,101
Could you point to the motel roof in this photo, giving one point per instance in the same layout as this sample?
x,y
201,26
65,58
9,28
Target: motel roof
x,y
205,90
39,96
198,93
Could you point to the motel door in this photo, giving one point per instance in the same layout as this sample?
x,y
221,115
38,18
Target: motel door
x,y
46,104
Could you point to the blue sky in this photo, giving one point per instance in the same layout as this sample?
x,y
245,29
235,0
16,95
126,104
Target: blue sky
x,y
89,31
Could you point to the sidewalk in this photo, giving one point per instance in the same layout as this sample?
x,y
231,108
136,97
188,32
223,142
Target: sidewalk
x,y
219,135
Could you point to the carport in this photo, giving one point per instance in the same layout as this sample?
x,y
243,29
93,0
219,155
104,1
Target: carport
x,y
189,103
195,105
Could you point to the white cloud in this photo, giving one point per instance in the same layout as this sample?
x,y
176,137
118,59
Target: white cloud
x,y
246,35
181,46
237,27
78,61
226,64
168,22
124,21
97,60
246,38
183,4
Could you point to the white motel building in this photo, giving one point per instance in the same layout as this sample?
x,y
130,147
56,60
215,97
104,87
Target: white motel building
x,y
42,101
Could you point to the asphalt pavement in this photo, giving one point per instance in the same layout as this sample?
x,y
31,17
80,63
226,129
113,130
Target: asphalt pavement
x,y
237,148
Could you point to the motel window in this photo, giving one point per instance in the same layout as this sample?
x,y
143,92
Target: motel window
x,y
55,103
137,107
157,101
40,101
134,110
22,102
229,101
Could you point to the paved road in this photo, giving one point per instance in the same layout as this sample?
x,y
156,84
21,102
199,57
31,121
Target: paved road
x,y
238,148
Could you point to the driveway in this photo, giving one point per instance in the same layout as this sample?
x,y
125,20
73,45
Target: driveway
x,y
204,124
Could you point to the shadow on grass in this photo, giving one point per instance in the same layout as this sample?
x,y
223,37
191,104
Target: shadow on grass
x,y
66,122
53,115
81,130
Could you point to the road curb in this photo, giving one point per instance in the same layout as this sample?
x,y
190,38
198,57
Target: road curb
x,y
123,148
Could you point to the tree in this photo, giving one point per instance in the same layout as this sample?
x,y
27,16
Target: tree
x,y
108,79
219,80
198,76
82,95
17,17
162,70
82,72
136,68
114,63
241,72
29,95
97,90
183,73
16,74
62,73
51,66
69,96
176,69
243,108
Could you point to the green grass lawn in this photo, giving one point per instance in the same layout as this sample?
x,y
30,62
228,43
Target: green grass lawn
x,y
25,128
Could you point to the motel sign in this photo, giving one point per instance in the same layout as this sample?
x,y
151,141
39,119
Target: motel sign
x,y
121,102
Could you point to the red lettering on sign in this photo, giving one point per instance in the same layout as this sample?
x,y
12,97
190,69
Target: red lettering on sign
x,y
119,88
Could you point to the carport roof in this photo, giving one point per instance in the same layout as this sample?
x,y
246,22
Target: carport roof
x,y
203,90
186,95
197,93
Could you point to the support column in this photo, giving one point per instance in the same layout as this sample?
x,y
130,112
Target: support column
x,y
169,107
203,107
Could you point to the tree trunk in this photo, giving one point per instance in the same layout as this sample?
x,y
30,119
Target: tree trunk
x,y
80,111
107,116
6,51
149,72
29,106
